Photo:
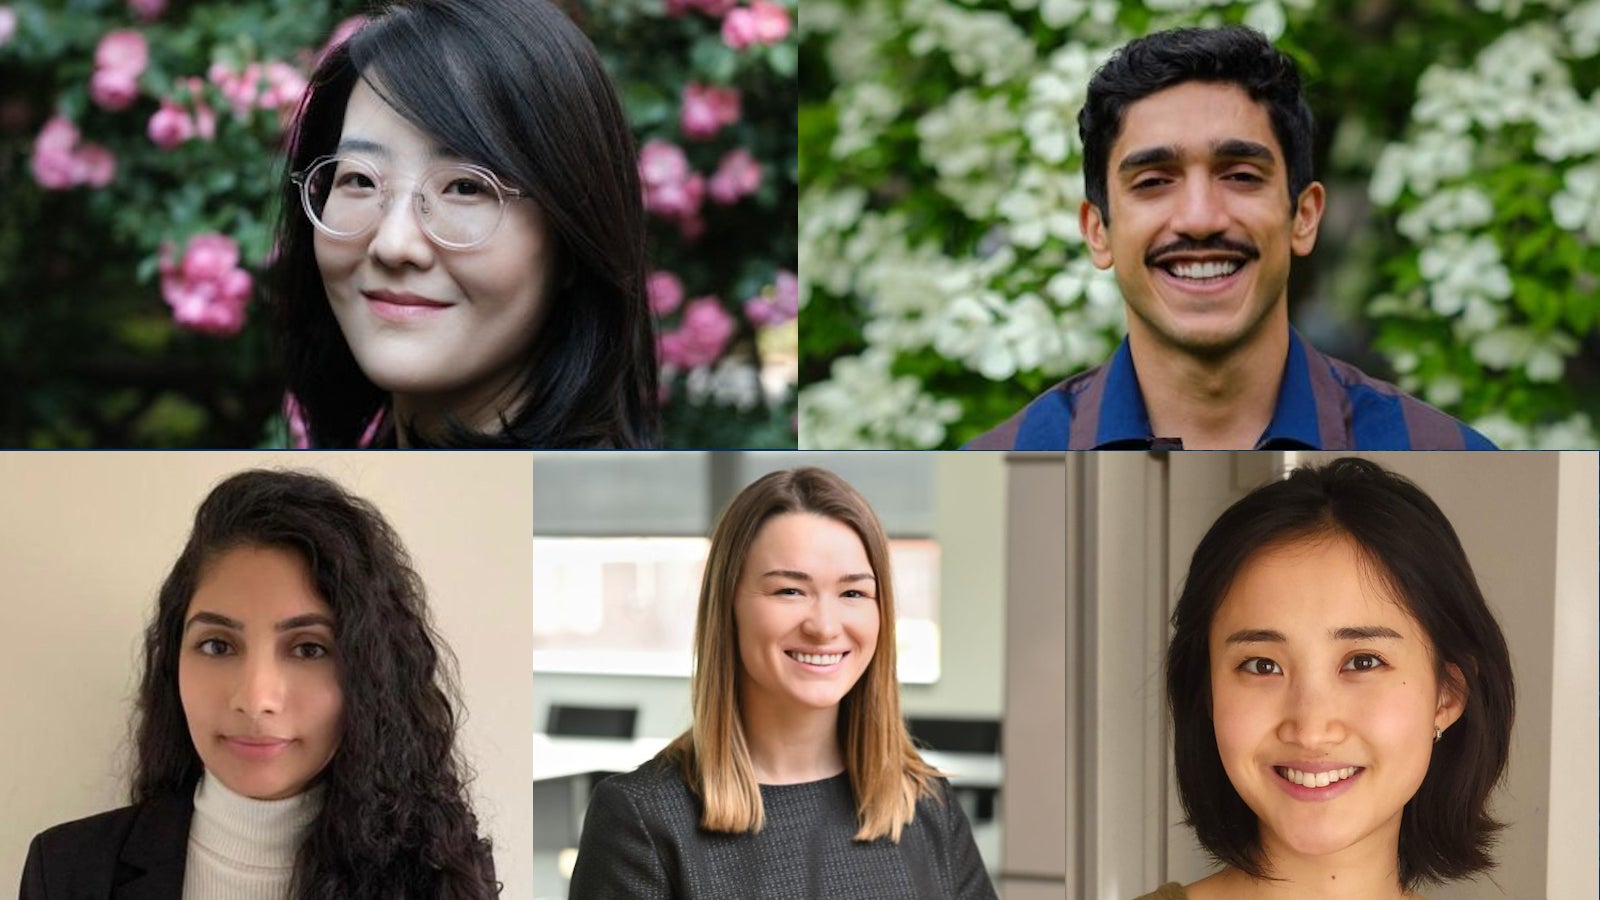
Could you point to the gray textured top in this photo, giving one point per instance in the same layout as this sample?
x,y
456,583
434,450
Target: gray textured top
x,y
642,841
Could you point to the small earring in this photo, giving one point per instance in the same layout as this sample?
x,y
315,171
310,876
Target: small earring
x,y
1437,733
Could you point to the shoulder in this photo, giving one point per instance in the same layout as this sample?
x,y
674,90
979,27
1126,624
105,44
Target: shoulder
x,y
1044,423
1169,891
83,838
654,790
1384,417
77,858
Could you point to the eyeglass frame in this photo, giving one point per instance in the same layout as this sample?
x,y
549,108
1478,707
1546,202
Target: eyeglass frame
x,y
302,177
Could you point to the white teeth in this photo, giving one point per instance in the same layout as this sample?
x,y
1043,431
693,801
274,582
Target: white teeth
x,y
1318,779
817,659
1202,270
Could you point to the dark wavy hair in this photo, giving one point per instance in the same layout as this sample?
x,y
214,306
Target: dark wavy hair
x,y
395,820
1446,831
514,86
1234,54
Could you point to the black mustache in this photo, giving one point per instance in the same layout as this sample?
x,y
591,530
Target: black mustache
x,y
1189,245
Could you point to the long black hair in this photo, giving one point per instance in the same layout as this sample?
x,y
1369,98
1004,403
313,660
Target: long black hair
x,y
395,820
512,85
1446,831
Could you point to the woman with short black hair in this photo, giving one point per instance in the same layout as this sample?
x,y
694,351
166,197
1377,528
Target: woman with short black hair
x,y
461,243
1341,695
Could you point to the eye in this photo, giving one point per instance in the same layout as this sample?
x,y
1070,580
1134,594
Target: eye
x,y
1144,184
856,594
354,180
1260,665
787,592
311,650
214,647
467,187
1363,662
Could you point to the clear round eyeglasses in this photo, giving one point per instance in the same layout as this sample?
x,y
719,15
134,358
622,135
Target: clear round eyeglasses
x,y
459,205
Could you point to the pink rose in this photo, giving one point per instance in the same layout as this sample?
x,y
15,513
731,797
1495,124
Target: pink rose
x,y
762,22
53,164
677,200
706,109
147,10
295,418
8,24
665,292
113,89
738,175
207,291
210,257
285,86
94,165
662,163
700,338
123,51
170,126
777,304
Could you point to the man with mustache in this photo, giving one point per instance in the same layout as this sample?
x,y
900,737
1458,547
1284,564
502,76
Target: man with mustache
x,y
1197,169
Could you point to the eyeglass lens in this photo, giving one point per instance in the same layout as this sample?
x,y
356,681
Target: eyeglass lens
x,y
457,204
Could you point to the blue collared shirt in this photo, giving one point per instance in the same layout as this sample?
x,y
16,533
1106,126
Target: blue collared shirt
x,y
1323,404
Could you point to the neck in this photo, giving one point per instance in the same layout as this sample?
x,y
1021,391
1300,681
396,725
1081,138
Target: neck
x,y
792,746
1367,870
478,407
1221,402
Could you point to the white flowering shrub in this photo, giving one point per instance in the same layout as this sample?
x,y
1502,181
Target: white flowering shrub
x,y
944,282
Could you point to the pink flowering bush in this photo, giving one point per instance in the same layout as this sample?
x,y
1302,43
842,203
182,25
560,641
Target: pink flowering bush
x,y
710,86
145,140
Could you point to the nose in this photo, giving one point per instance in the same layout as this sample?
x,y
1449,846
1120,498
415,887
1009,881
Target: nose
x,y
823,621
1312,716
399,240
1202,211
261,688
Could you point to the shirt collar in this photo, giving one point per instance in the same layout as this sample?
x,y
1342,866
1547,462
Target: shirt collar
x,y
1124,418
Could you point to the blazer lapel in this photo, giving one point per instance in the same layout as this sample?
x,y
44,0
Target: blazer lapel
x,y
153,857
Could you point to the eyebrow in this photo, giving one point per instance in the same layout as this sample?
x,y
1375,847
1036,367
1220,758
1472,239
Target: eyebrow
x,y
362,145
1347,633
290,624
802,576
1232,148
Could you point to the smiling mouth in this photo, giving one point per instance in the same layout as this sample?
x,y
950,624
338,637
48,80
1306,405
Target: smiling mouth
x,y
816,659
1317,779
1202,272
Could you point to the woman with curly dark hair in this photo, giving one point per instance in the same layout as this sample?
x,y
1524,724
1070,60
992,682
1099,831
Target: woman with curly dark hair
x,y
296,727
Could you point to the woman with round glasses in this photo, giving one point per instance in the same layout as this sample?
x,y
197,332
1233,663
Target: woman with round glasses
x,y
797,779
1341,694
461,250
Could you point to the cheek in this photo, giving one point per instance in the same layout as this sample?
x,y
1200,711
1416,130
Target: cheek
x,y
336,261
1243,720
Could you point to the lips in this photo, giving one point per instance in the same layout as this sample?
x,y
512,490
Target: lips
x,y
257,748
818,660
403,307
1316,781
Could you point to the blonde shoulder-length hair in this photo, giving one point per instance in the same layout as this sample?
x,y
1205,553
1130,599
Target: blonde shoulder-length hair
x,y
887,776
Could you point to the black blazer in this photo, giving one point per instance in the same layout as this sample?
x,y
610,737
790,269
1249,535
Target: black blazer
x,y
132,853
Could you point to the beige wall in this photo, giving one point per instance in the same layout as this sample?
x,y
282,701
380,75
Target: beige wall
x,y
87,538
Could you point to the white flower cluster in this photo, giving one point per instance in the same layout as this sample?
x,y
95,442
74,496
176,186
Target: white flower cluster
x,y
863,406
1466,123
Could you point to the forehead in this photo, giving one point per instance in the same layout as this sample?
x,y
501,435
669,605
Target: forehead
x,y
1193,117
1306,588
257,583
808,538
373,128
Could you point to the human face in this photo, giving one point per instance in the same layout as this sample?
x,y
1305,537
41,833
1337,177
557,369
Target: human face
x,y
258,675
446,331
806,613
1315,668
1199,233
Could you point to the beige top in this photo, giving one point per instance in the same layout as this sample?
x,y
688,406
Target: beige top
x,y
1169,891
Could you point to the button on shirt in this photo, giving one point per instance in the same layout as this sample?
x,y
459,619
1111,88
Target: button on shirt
x,y
1323,404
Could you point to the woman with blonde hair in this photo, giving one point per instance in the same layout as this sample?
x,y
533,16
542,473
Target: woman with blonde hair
x,y
797,778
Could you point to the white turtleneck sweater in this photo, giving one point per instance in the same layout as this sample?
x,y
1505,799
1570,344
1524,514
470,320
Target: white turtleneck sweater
x,y
241,848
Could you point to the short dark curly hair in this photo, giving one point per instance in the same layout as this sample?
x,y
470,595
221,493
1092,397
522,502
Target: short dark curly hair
x,y
1233,54
395,820
1445,830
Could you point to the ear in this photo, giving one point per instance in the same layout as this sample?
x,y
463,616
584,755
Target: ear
x,y
1093,226
1453,692
1307,216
